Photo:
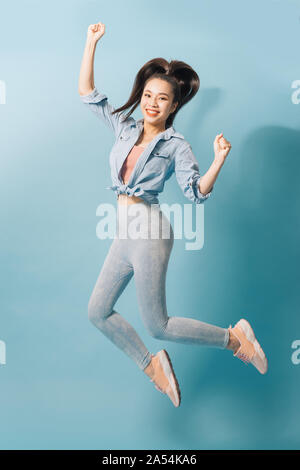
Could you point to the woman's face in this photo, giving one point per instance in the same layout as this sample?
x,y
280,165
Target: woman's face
x,y
158,96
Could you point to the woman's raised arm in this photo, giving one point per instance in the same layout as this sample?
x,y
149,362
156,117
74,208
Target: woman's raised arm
x,y
86,75
89,95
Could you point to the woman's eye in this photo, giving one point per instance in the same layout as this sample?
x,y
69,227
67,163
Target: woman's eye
x,y
162,98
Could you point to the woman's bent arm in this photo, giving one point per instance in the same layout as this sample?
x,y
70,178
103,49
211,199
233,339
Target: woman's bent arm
x,y
222,147
208,179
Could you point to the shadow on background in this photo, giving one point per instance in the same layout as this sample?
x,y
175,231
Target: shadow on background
x,y
255,239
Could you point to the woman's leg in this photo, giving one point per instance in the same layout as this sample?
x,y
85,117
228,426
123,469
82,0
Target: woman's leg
x,y
150,262
114,276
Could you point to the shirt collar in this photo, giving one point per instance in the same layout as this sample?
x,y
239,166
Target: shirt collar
x,y
166,134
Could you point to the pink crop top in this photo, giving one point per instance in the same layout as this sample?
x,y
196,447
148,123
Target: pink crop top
x,y
130,162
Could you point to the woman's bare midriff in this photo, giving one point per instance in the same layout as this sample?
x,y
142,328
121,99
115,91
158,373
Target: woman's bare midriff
x,y
125,199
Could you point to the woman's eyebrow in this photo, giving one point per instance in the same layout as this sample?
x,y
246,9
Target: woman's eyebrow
x,y
158,93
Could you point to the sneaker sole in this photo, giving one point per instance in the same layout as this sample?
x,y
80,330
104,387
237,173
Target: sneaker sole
x,y
169,371
251,337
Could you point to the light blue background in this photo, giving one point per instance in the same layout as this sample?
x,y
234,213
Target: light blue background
x,y
65,386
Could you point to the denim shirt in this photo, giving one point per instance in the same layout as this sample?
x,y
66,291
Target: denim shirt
x,y
167,153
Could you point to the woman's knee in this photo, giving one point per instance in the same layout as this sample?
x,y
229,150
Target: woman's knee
x,y
96,311
156,331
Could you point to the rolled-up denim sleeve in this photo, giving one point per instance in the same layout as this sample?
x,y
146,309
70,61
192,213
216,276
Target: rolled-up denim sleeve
x,y
188,176
99,104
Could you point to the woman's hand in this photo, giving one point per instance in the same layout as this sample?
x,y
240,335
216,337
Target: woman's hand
x,y
96,31
221,148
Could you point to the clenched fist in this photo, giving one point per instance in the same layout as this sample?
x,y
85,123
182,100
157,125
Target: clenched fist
x,y
221,148
96,31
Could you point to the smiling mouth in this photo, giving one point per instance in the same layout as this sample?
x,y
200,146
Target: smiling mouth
x,y
152,113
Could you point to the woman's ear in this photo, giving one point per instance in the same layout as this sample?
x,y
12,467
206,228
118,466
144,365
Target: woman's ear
x,y
174,107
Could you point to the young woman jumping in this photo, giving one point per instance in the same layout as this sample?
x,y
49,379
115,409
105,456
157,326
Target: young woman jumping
x,y
145,154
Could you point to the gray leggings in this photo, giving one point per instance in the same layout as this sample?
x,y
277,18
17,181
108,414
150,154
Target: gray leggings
x,y
147,259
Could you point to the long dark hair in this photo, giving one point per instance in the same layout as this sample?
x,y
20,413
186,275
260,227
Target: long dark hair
x,y
182,77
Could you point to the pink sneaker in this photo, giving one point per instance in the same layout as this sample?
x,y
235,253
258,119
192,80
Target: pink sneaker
x,y
250,350
172,389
